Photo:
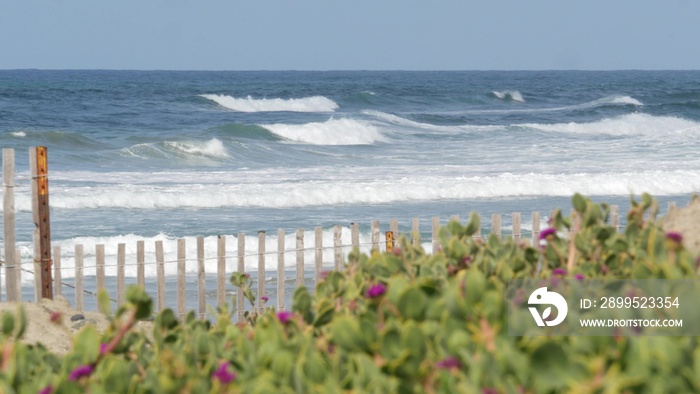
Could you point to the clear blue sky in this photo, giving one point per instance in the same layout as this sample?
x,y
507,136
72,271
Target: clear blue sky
x,y
347,35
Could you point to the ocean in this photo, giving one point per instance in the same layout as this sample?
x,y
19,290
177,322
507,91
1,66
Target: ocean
x,y
162,155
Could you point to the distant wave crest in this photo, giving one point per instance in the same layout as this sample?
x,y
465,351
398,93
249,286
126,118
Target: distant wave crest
x,y
250,104
513,95
632,124
331,132
212,149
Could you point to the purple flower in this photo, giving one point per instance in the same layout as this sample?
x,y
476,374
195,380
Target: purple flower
x,y
284,316
103,348
47,390
223,374
376,291
489,390
559,271
547,232
579,276
449,363
674,236
265,298
81,371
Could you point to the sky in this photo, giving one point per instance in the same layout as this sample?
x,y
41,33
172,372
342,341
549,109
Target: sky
x,y
350,35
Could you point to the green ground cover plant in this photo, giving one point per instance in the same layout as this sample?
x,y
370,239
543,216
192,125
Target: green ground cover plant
x,y
401,321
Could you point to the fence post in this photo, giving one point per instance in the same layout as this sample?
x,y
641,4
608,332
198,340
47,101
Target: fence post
x,y
389,237
318,256
201,279
516,227
280,269
300,256
160,275
141,264
436,227
261,268
221,271
100,266
240,306
496,224
355,235
8,203
79,277
38,164
121,266
181,281
375,235
337,247
535,228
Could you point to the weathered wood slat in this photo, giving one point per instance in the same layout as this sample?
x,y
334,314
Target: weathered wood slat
x,y
535,228
160,275
8,202
280,269
240,268
141,264
517,234
181,277
100,266
318,257
221,270
300,256
79,287
435,227
121,265
261,268
337,247
201,279
375,235
355,235
496,224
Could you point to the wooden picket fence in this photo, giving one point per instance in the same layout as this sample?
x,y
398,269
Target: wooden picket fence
x,y
378,241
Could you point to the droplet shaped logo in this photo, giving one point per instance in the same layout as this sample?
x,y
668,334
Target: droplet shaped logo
x,y
543,297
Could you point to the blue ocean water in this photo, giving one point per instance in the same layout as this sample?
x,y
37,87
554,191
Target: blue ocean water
x,y
159,155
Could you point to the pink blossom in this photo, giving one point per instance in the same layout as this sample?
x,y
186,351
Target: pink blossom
x,y
674,236
547,232
376,291
284,316
81,371
559,271
222,373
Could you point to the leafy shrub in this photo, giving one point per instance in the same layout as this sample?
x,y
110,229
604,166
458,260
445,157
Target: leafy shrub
x,y
401,321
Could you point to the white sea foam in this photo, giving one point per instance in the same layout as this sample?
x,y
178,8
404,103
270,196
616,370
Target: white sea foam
x,y
250,104
631,124
331,132
19,134
513,95
287,190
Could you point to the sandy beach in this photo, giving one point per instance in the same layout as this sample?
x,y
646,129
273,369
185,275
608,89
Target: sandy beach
x,y
57,336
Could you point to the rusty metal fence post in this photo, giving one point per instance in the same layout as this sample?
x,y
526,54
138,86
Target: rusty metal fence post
x,y
38,164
